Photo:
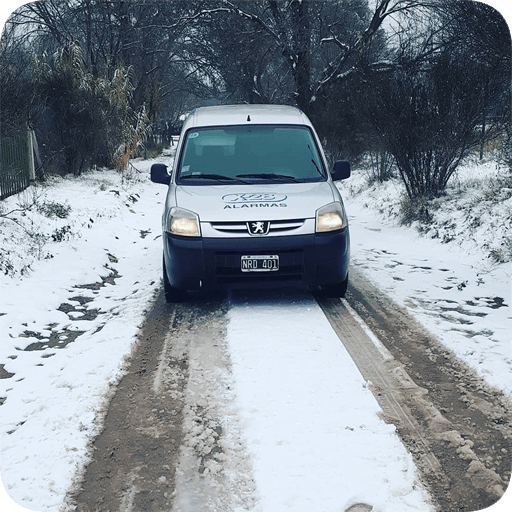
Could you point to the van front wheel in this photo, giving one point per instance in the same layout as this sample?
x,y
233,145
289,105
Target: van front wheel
x,y
337,290
172,295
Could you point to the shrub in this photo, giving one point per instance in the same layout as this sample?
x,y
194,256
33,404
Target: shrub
x,y
53,209
84,120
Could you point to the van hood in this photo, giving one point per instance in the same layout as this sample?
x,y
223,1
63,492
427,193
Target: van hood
x,y
224,203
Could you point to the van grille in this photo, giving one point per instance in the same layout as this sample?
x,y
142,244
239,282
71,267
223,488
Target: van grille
x,y
239,227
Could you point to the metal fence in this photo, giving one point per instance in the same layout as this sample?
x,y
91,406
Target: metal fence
x,y
15,164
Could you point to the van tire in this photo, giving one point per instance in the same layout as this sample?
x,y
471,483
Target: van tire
x,y
172,295
338,290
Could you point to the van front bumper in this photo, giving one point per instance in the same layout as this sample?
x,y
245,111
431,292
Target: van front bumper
x,y
307,261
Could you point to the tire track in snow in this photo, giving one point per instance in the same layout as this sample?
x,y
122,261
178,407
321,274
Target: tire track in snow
x,y
171,438
386,376
133,461
462,422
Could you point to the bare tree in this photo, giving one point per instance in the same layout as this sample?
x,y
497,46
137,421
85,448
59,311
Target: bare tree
x,y
427,117
483,34
290,57
331,58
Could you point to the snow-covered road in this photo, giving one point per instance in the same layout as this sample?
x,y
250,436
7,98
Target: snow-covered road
x,y
296,426
299,427
316,440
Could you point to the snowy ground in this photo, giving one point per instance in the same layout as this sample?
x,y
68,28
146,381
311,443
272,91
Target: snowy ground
x,y
448,277
59,383
66,343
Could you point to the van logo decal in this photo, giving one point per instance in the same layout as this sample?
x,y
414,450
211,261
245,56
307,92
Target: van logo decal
x,y
254,198
258,227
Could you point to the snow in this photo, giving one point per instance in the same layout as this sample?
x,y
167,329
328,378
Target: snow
x,y
448,276
312,434
56,394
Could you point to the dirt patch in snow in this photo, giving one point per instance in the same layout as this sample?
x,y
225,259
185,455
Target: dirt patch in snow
x,y
170,435
133,461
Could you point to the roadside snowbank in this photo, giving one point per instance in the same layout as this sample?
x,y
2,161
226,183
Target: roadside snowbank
x,y
69,319
447,274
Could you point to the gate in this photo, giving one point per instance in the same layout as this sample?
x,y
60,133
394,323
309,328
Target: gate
x,y
15,153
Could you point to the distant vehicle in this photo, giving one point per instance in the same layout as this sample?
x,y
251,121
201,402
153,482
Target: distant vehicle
x,y
251,204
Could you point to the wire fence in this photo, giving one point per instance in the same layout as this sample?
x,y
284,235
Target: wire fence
x,y
14,165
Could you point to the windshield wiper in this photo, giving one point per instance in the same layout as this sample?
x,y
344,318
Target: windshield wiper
x,y
314,162
215,177
269,176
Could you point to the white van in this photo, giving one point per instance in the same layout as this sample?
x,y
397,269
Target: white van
x,y
251,204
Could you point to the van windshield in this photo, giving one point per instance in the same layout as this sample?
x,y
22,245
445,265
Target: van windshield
x,y
250,154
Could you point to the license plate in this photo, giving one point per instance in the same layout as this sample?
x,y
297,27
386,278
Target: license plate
x,y
260,263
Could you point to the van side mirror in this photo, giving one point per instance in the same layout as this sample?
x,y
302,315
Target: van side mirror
x,y
159,174
341,171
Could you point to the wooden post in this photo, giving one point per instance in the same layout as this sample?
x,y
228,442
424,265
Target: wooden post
x,y
30,147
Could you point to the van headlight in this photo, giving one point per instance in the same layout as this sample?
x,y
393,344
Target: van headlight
x,y
330,217
183,222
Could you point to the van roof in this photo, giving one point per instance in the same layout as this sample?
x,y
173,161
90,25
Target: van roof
x,y
230,115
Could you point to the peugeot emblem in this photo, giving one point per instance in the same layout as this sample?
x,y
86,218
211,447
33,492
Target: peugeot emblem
x,y
258,227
